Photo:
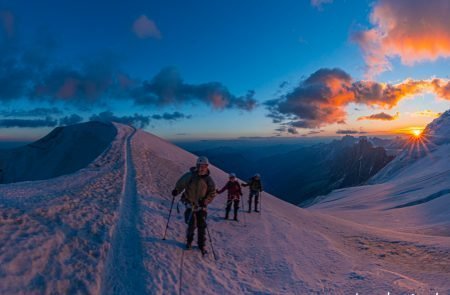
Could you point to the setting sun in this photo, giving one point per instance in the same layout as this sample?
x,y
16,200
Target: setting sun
x,y
416,132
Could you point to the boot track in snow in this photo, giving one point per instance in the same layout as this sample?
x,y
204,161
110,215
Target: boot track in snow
x,y
124,270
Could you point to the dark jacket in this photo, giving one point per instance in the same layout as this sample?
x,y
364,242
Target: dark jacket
x,y
254,184
234,190
199,190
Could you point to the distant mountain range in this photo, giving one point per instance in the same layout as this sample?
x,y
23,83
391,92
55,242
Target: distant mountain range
x,y
300,175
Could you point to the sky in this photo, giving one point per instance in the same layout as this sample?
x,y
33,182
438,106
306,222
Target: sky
x,y
224,69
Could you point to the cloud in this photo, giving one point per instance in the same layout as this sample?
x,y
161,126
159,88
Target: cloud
x,y
36,112
19,67
136,120
348,131
13,77
413,30
318,3
281,129
85,86
171,117
100,79
28,123
313,102
380,116
313,132
283,84
145,28
321,98
427,113
70,120
7,21
292,130
441,88
168,88
30,73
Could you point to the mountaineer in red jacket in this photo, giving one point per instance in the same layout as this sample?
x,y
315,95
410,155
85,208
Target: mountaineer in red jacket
x,y
234,195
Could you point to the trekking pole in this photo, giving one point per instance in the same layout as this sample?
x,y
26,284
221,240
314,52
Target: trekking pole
x,y
168,219
260,202
243,210
210,240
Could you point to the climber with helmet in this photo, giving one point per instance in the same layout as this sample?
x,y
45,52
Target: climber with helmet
x,y
198,190
256,188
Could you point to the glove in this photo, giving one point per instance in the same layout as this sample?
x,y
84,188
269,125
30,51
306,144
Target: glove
x,y
174,193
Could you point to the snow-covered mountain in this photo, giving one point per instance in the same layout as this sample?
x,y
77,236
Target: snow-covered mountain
x,y
63,151
438,131
436,134
99,230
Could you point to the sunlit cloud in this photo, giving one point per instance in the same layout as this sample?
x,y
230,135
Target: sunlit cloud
x,y
322,98
413,30
145,28
426,113
34,73
99,79
168,88
380,116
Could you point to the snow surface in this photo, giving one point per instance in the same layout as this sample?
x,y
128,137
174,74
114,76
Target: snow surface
x,y
99,231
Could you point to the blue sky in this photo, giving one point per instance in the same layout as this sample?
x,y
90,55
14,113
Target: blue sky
x,y
227,59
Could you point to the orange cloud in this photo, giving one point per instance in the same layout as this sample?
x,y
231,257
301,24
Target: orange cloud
x,y
380,116
426,113
413,30
321,99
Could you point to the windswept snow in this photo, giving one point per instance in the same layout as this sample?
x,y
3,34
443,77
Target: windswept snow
x,y
54,234
99,230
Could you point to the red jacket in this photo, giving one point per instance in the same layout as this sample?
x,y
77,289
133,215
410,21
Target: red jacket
x,y
234,190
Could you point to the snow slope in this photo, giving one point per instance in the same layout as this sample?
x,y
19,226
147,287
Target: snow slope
x,y
99,231
416,200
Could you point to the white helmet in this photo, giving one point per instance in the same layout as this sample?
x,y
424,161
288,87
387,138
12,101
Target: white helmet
x,y
202,160
232,175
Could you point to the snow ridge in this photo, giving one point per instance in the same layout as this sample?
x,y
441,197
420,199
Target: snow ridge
x,y
124,273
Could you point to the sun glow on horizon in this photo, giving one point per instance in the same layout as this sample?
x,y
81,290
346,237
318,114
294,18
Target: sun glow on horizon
x,y
416,132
